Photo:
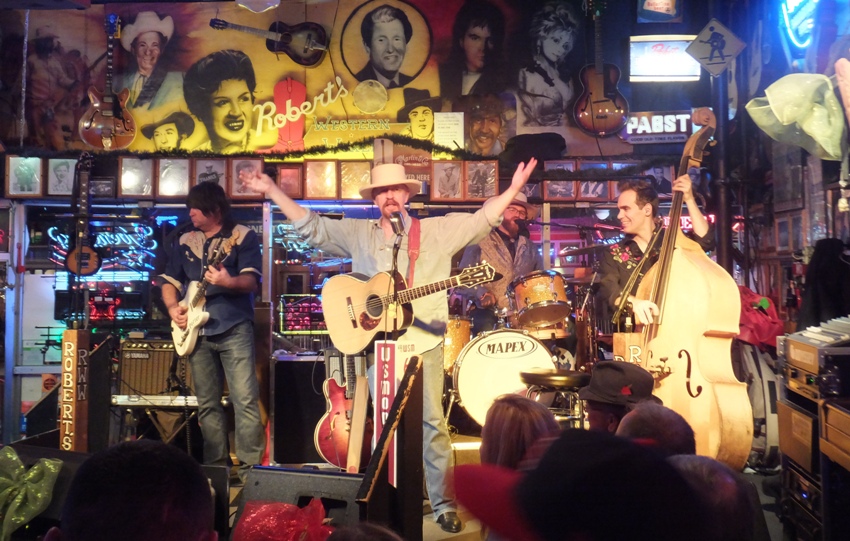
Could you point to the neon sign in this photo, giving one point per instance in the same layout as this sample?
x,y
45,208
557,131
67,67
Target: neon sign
x,y
130,247
798,17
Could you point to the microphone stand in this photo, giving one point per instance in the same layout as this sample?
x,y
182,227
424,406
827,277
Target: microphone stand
x,y
396,246
633,278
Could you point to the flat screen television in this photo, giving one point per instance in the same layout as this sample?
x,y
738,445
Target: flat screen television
x,y
661,59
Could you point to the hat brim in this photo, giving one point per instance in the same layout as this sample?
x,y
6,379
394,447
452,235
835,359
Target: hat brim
x,y
413,185
487,491
435,104
586,393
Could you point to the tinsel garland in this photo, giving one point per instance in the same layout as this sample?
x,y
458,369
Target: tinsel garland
x,y
506,168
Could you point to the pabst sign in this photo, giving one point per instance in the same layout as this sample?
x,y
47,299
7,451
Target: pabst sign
x,y
653,127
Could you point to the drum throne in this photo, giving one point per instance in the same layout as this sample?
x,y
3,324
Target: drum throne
x,y
563,385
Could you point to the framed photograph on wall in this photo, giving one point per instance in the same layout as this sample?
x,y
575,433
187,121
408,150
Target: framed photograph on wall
x,y
661,177
594,190
237,165
136,178
23,177
482,180
173,176
798,231
446,180
289,179
60,176
559,190
783,235
210,170
532,190
559,165
320,179
102,187
354,175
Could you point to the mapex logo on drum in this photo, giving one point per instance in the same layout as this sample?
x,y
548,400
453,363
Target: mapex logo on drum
x,y
511,347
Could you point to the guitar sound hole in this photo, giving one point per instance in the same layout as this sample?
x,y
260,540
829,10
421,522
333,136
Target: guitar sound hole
x,y
374,306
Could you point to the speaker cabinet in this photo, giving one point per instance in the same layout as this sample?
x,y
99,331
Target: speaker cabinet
x,y
298,404
146,368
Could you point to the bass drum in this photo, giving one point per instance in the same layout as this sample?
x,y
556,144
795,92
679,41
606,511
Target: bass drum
x,y
490,366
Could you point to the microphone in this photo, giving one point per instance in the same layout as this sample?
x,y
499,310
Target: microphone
x,y
397,222
607,227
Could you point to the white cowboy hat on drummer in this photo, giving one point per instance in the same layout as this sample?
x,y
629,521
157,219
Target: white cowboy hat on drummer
x,y
389,174
522,200
146,21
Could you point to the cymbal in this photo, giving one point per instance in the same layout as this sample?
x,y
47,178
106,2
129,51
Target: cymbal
x,y
583,250
582,281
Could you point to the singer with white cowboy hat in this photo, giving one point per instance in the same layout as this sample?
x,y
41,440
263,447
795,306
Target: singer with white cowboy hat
x,y
510,251
149,81
369,243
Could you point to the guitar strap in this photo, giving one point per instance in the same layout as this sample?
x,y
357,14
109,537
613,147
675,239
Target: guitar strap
x,y
412,248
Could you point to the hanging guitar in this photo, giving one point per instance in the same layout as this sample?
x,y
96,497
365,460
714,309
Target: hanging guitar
x,y
600,110
107,124
82,258
195,301
305,43
334,431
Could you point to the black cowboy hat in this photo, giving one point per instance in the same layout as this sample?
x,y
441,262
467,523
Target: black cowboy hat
x,y
413,98
185,124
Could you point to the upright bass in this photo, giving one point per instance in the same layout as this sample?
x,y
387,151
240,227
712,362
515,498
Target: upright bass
x,y
688,347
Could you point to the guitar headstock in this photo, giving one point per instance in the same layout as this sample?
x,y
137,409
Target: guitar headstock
x,y
113,25
479,274
597,7
218,24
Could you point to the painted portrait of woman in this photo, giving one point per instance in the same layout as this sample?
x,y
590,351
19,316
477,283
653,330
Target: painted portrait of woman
x,y
544,89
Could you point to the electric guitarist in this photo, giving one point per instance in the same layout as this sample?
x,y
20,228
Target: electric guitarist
x,y
424,250
225,345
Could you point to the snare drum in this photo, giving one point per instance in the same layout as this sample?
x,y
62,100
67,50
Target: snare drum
x,y
539,298
458,334
490,366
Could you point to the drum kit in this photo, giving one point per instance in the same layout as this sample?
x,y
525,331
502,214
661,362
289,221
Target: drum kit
x,y
527,339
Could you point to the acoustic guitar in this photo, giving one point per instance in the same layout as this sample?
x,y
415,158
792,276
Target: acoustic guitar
x,y
305,43
82,258
600,110
356,309
107,124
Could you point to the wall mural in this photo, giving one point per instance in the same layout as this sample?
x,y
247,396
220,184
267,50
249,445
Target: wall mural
x,y
213,77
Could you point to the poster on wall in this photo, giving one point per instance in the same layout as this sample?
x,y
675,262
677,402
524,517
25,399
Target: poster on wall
x,y
203,77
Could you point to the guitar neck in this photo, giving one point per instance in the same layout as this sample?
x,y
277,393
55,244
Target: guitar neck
x,y
350,376
255,31
409,295
597,43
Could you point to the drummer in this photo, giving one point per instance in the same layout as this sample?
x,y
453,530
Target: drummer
x,y
510,251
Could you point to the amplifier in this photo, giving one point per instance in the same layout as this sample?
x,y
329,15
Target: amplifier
x,y
801,504
816,371
146,369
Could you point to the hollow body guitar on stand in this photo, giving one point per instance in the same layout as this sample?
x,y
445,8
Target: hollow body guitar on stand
x,y
107,124
305,43
345,429
600,110
195,301
357,308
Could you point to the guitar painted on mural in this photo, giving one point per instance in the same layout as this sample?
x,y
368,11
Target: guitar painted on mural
x,y
107,124
305,43
195,301
600,110
336,432
357,308
82,258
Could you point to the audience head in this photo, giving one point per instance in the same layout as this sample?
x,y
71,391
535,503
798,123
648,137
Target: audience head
x,y
615,388
138,491
512,426
723,495
663,426
588,486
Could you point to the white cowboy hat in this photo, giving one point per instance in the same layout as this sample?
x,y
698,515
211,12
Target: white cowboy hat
x,y
521,200
146,21
389,174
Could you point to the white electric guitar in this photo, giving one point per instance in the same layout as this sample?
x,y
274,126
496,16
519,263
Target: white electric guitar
x,y
195,301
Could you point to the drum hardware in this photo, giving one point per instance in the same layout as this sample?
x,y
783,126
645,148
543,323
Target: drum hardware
x,y
584,250
583,280
566,406
490,366
586,348
539,298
